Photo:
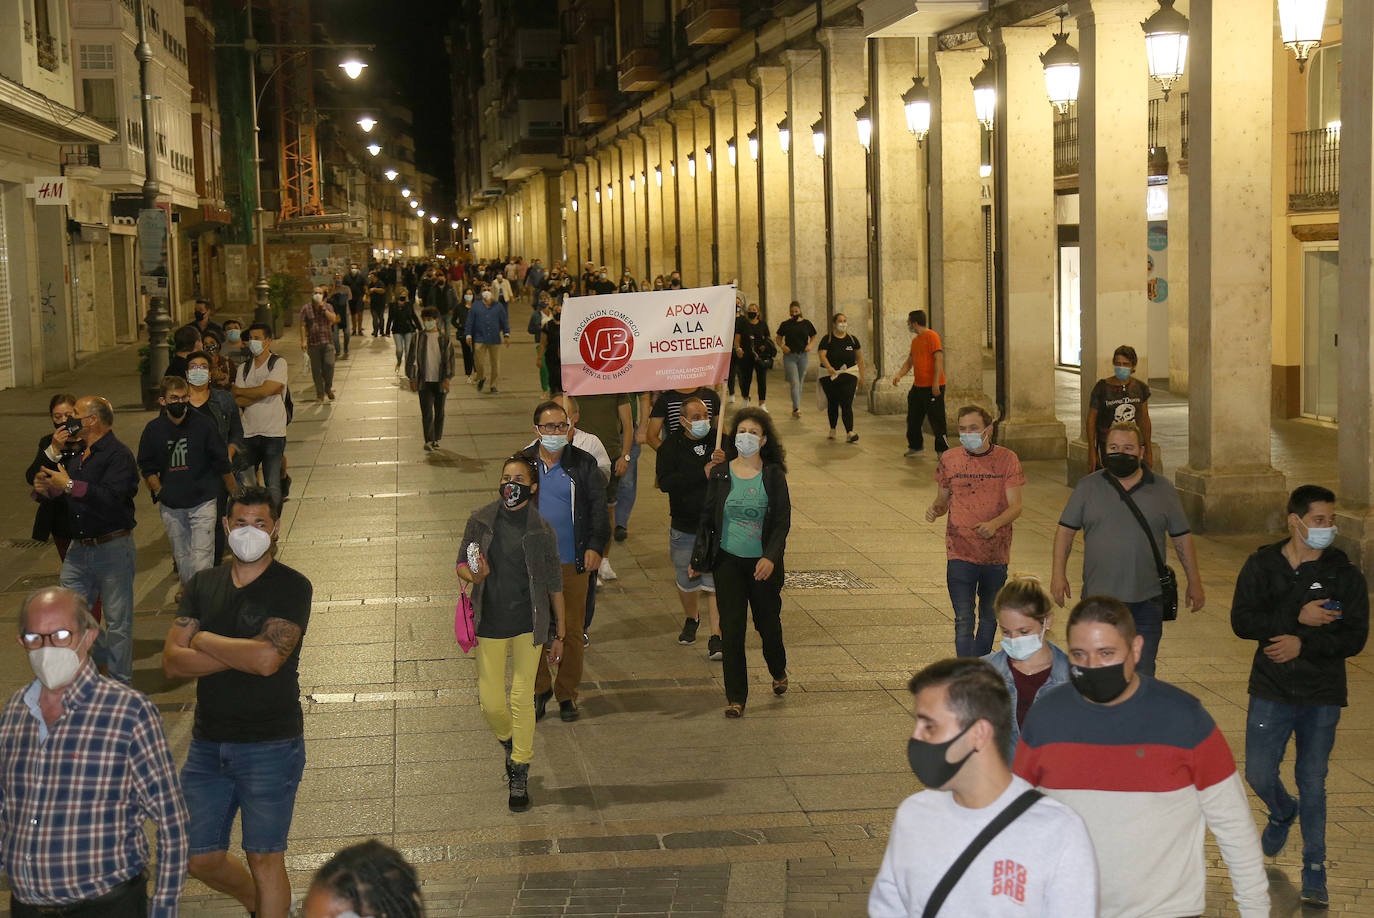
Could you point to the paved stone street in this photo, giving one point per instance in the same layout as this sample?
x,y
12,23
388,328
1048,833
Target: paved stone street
x,y
652,804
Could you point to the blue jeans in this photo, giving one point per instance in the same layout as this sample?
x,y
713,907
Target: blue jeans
x,y
106,572
257,779
968,581
402,341
1149,624
794,366
629,484
191,531
267,452
1268,724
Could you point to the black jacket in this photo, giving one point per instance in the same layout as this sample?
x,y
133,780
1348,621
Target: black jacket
x,y
680,471
357,286
417,355
591,523
1269,596
777,519
51,518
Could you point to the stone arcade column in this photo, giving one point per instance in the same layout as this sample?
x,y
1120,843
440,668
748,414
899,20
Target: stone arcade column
x,y
1229,483
776,222
1177,272
1113,111
573,222
690,233
706,211
808,193
610,209
1024,162
722,188
747,203
1355,405
900,170
630,207
650,205
846,164
958,260
595,233
666,187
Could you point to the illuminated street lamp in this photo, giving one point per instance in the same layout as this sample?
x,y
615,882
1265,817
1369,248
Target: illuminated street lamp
x,y
1166,44
574,203
658,175
598,195
434,218
985,94
420,212
405,192
391,175
632,184
1301,23
916,102
818,135
863,120
367,123
691,165
374,149
708,157
1061,70
414,203
753,143
730,151
610,192
353,68
785,132
453,224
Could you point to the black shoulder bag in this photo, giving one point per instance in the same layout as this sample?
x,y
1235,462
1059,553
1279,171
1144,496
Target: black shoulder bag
x,y
704,551
975,848
1168,580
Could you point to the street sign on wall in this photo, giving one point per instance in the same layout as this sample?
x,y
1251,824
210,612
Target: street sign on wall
x,y
152,251
50,190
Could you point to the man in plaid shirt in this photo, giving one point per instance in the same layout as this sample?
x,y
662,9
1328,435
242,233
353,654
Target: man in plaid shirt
x,y
83,764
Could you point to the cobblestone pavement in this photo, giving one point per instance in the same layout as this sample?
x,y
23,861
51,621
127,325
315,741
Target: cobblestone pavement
x,y
653,803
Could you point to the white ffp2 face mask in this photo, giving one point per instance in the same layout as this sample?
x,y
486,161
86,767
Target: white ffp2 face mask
x,y
54,666
249,543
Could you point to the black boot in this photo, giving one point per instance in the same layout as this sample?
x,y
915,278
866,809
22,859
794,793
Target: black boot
x,y
519,787
508,745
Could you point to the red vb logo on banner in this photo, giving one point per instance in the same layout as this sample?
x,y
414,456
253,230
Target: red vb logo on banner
x,y
637,342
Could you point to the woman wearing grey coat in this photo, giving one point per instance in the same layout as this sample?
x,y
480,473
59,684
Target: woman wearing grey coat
x,y
510,555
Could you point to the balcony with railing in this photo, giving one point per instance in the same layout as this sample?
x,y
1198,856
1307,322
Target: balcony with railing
x,y
1316,172
712,22
1065,145
81,155
640,71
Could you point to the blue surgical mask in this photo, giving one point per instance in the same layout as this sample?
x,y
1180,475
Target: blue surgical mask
x,y
973,442
699,429
1319,537
747,444
233,335
255,347
198,376
1024,646
553,442
1122,373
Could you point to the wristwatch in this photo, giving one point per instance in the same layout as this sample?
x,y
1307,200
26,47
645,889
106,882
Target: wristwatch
x,y
68,486
626,457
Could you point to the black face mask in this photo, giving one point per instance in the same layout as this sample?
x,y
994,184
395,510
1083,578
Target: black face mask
x,y
200,315
1121,465
1100,684
929,763
514,493
73,426
176,410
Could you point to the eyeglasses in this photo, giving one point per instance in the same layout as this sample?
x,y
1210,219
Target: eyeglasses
x,y
173,399
62,637
560,427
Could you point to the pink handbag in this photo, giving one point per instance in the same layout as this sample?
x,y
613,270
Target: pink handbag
x,y
463,628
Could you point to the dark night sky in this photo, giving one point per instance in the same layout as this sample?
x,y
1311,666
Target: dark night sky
x,y
410,56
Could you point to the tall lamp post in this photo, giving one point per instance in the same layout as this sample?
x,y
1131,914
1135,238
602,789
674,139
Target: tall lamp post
x,y
158,318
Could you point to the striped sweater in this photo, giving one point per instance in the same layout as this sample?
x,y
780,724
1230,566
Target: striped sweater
x,y
1149,776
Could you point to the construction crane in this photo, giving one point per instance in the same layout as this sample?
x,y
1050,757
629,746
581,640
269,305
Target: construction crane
x,y
298,153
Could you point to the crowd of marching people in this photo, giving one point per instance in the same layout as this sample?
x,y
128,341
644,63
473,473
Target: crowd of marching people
x,y
1062,777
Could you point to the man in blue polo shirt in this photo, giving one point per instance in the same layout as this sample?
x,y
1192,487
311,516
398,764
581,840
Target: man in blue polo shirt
x,y
488,329
572,497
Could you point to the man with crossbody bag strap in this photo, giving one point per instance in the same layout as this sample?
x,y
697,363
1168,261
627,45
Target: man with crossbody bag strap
x,y
1111,506
980,841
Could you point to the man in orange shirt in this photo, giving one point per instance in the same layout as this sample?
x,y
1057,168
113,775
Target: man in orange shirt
x,y
927,395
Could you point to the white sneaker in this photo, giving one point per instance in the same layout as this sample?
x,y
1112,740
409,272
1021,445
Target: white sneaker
x,y
764,408
606,574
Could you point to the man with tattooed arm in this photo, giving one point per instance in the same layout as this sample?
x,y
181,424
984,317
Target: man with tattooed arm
x,y
238,632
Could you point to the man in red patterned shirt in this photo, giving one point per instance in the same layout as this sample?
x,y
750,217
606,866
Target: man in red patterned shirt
x,y
83,765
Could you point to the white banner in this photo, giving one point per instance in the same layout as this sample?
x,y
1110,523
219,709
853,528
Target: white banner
x,y
650,341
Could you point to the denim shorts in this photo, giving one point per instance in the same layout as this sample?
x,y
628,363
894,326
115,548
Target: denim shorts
x,y
680,545
258,779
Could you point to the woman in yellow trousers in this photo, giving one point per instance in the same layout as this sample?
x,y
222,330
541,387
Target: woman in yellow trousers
x,y
510,555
